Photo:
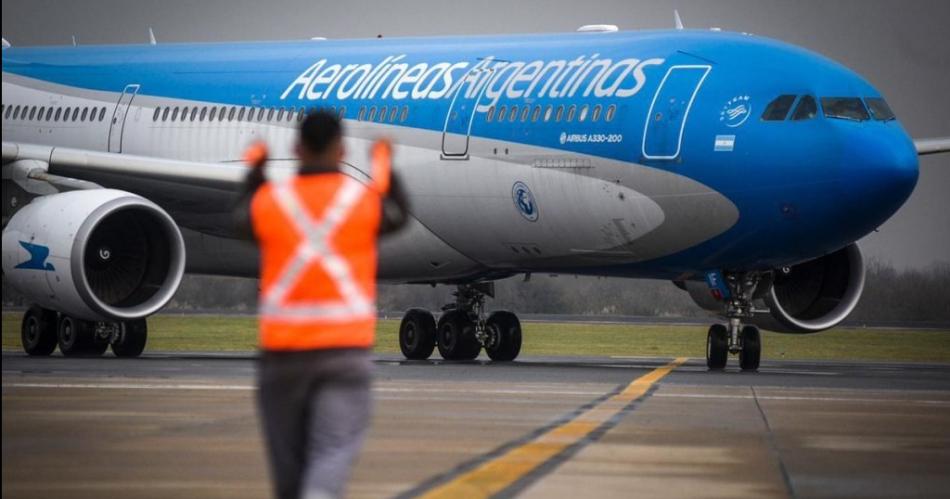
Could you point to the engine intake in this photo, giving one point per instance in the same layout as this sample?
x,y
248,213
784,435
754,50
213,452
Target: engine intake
x,y
817,294
98,254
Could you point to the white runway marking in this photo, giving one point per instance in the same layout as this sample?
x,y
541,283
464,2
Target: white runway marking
x,y
800,398
223,387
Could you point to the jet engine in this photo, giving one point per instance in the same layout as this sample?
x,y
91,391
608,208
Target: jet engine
x,y
97,254
805,298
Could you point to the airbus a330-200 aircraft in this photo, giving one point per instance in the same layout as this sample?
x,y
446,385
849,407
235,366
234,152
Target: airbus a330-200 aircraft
x,y
741,168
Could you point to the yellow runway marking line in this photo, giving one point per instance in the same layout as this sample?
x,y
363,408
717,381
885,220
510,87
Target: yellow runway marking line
x,y
501,472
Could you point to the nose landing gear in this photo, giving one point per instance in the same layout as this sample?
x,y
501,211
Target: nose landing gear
x,y
462,330
736,338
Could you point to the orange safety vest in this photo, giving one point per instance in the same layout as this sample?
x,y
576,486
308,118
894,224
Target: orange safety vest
x,y
317,235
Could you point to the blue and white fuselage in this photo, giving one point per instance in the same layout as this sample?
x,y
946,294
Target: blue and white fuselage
x,y
663,154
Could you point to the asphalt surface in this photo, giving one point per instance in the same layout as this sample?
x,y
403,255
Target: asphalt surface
x,y
185,426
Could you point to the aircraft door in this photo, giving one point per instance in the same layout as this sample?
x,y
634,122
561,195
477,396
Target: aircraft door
x,y
666,120
117,125
462,111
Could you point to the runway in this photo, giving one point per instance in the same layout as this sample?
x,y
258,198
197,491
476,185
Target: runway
x,y
185,426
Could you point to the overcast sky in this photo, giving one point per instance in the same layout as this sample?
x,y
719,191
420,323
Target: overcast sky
x,y
902,47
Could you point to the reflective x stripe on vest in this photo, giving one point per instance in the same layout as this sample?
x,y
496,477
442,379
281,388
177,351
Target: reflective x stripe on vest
x,y
315,248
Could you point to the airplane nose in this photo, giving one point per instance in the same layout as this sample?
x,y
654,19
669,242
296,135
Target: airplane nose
x,y
883,172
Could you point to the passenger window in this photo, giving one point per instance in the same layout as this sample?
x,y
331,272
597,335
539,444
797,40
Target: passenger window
x,y
846,108
194,113
513,116
392,114
204,113
372,114
240,114
524,113
611,112
879,109
362,113
548,113
490,114
280,114
778,109
560,113
165,114
343,111
39,115
49,113
75,114
85,112
570,113
270,114
536,114
175,114
382,113
32,112
583,115
231,112
16,112
59,113
184,114
102,113
157,112
502,112
402,116
596,114
807,109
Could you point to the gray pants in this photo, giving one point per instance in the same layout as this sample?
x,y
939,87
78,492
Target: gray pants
x,y
315,409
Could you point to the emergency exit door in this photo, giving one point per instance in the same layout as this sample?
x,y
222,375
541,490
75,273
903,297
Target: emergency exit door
x,y
666,120
117,125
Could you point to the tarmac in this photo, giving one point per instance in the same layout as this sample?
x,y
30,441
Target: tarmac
x,y
185,425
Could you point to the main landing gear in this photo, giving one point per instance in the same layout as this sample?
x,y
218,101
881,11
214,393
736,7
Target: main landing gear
x,y
736,338
462,330
43,330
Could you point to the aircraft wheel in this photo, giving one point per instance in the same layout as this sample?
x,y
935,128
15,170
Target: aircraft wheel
x,y
717,347
131,340
75,336
504,336
751,350
456,336
417,334
38,331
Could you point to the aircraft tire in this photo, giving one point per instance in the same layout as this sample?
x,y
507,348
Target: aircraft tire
x,y
417,334
456,336
717,347
75,337
505,336
132,341
751,351
38,331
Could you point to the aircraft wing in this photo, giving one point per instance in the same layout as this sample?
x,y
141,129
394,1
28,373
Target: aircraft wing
x,y
932,146
198,195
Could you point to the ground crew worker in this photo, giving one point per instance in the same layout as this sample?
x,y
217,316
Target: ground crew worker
x,y
317,234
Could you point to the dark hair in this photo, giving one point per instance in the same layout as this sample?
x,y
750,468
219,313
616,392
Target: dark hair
x,y
319,130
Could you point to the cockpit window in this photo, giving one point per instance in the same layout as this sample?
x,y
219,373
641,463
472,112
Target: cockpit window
x,y
806,110
847,108
879,109
778,109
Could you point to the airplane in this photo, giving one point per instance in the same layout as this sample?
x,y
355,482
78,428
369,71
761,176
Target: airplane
x,y
741,168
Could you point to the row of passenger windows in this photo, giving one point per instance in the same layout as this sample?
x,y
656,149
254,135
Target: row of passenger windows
x,y
237,113
53,113
514,113
849,108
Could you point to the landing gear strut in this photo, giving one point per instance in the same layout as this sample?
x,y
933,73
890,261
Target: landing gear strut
x,y
736,338
462,330
43,330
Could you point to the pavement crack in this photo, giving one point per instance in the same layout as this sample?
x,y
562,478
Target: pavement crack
x,y
773,447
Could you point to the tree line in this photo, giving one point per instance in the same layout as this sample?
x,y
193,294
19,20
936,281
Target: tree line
x,y
890,295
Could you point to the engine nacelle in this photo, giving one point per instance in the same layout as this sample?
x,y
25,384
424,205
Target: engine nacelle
x,y
815,295
805,298
98,254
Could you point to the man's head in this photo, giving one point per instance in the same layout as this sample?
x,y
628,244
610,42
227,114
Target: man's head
x,y
321,140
